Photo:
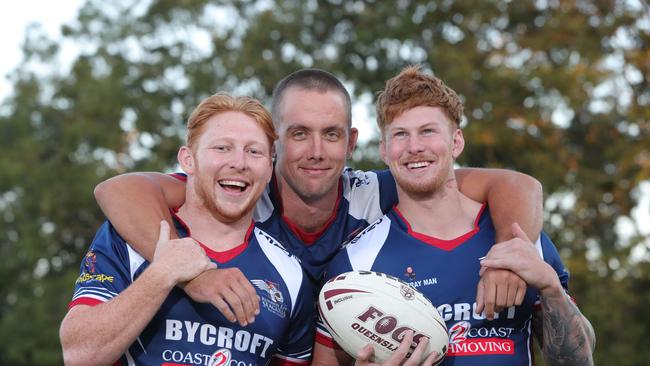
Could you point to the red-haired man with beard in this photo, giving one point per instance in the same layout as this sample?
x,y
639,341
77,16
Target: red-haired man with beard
x,y
129,310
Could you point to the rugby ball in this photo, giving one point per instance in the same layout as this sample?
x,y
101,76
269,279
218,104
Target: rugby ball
x,y
365,307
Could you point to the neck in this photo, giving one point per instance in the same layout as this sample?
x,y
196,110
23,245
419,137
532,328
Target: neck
x,y
444,214
218,235
310,214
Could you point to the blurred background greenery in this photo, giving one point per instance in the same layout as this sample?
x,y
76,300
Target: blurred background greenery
x,y
556,89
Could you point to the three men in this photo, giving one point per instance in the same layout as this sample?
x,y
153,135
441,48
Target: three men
x,y
312,204
436,239
128,309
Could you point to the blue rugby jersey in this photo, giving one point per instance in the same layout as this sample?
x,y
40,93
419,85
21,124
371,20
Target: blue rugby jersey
x,y
184,332
363,198
447,272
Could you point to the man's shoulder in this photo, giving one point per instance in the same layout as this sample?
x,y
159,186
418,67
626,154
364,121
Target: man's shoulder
x,y
369,193
274,249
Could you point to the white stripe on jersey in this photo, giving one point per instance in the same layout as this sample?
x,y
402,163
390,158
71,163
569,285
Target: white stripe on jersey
x,y
363,250
97,293
286,264
135,261
264,206
538,245
363,195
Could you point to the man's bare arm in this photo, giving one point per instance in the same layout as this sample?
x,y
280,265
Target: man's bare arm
x,y
565,336
136,202
98,335
513,197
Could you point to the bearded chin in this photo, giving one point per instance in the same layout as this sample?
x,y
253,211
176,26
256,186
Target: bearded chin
x,y
426,187
422,188
210,204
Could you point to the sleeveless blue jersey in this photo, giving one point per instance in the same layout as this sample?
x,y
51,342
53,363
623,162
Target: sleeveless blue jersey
x,y
363,198
184,332
447,272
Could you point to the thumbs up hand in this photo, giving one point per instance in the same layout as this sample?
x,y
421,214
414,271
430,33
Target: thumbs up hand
x,y
181,259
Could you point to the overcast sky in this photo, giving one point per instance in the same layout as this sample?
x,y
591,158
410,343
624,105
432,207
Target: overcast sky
x,y
15,16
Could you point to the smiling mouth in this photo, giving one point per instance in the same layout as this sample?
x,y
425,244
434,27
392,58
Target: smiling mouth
x,y
233,185
418,164
314,170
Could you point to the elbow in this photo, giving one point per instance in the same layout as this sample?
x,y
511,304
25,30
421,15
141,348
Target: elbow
x,y
104,189
81,355
74,358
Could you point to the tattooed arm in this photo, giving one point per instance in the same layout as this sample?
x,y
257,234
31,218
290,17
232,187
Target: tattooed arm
x,y
564,334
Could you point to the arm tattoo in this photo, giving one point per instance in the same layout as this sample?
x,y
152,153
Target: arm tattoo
x,y
565,335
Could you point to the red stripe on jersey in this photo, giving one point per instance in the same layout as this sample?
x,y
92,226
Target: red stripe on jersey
x,y
181,177
443,244
84,301
326,341
219,256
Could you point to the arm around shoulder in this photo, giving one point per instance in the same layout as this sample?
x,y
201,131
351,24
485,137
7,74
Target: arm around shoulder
x,y
512,197
136,202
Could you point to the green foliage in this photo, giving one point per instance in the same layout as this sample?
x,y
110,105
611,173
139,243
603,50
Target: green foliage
x,y
556,89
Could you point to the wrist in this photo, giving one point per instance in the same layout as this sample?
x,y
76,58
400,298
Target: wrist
x,y
163,278
552,290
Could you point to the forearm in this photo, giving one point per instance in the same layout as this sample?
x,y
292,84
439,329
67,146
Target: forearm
x,y
99,335
135,203
512,197
566,336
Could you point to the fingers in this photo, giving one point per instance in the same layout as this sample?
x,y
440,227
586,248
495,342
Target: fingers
x,y
489,299
480,291
401,351
364,355
431,359
224,309
511,296
521,293
248,298
501,296
418,353
240,296
164,231
236,305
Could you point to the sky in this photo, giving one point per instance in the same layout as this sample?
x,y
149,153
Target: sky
x,y
16,16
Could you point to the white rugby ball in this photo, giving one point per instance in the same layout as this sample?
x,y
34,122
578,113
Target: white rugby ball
x,y
365,307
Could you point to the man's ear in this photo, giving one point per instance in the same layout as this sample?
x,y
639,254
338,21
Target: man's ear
x,y
382,150
458,143
352,141
186,160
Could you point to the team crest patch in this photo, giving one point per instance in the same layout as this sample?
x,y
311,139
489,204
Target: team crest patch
x,y
274,301
270,288
89,261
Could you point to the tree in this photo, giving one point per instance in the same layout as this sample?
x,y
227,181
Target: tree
x,y
556,89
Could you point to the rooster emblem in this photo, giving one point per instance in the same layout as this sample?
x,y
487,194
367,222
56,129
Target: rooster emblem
x,y
270,288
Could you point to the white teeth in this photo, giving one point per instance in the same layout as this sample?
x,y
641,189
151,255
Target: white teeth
x,y
232,183
419,164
